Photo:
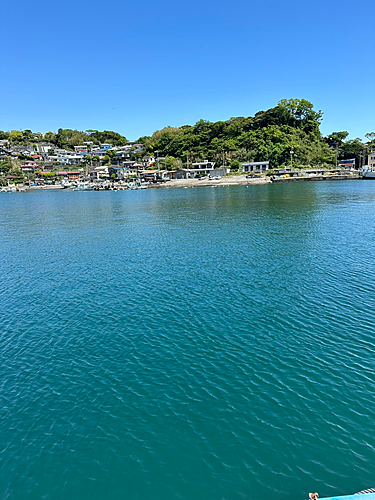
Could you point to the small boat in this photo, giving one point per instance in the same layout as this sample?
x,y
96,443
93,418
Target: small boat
x,y
365,495
84,186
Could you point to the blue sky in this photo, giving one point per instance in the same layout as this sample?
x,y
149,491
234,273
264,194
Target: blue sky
x,y
135,67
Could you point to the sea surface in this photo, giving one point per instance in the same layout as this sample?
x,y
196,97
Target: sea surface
x,y
188,344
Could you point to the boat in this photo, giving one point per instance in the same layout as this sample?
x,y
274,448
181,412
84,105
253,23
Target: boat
x,y
368,494
84,186
136,185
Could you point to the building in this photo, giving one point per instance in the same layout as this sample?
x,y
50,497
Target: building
x,y
256,166
29,167
347,164
121,156
148,161
371,160
201,168
80,149
43,148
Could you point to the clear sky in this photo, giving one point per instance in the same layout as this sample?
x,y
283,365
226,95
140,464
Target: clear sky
x,y
135,67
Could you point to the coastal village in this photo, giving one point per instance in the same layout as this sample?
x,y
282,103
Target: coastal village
x,y
104,166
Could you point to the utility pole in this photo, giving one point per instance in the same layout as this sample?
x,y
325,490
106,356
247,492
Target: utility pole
x,y
337,146
187,164
157,159
223,158
291,159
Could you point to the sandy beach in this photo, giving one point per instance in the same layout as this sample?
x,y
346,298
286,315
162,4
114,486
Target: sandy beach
x,y
224,181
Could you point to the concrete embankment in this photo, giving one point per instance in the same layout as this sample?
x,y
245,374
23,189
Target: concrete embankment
x,y
314,178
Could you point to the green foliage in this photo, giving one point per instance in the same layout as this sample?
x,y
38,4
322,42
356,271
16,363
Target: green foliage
x,y
15,136
352,148
50,137
4,135
5,167
371,141
235,166
107,136
68,138
269,135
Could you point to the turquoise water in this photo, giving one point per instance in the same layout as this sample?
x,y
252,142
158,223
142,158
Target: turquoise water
x,y
210,343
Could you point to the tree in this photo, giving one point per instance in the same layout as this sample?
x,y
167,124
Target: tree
x,y
303,113
371,140
336,138
177,164
50,137
235,166
15,136
5,167
353,149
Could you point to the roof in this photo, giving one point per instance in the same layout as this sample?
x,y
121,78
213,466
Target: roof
x,y
256,162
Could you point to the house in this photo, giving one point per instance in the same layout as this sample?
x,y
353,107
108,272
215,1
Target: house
x,y
80,149
202,168
371,160
106,146
148,161
100,172
255,166
61,159
347,164
62,152
29,166
72,175
133,168
219,172
43,148
121,155
100,154
181,174
72,159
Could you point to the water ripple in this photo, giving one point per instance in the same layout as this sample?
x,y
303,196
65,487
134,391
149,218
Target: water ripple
x,y
187,343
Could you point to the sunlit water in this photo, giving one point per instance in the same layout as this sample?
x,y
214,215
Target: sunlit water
x,y
188,344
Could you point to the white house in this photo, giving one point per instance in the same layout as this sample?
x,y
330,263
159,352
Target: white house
x,y
256,166
147,161
202,167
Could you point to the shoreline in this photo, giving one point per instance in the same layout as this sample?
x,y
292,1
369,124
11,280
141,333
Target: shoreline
x,y
235,180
